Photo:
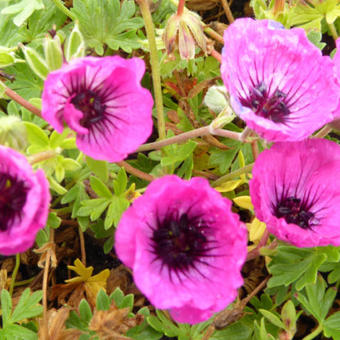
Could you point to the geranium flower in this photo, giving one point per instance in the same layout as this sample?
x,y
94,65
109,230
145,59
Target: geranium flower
x,y
185,247
295,190
24,200
101,99
278,81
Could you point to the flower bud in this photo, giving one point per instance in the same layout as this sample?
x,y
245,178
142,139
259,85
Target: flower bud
x,y
53,52
75,45
185,31
35,61
7,57
13,133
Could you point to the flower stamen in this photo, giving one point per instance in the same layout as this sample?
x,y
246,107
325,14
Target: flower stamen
x,y
13,195
268,106
180,241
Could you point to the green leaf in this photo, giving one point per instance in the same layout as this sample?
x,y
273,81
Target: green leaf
x,y
36,136
119,184
178,153
292,264
108,245
26,84
74,321
27,306
100,188
237,330
53,220
103,301
223,158
56,138
117,296
99,168
332,326
119,205
17,332
127,302
23,10
316,300
272,318
107,22
71,195
42,236
85,311
315,38
6,306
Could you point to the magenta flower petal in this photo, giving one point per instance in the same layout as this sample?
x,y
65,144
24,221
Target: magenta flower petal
x,y
101,99
185,247
24,201
278,81
295,190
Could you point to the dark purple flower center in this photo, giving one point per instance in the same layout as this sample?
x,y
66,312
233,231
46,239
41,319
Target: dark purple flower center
x,y
273,107
13,193
295,211
91,105
180,242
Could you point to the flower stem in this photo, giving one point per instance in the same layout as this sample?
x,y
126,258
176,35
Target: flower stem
x,y
45,281
315,333
14,274
136,172
64,9
156,74
333,31
23,102
233,175
227,134
203,131
200,132
214,34
41,156
323,132
82,246
227,11
216,55
180,7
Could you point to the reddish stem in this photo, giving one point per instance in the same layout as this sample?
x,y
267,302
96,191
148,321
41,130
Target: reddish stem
x,y
23,102
180,7
216,55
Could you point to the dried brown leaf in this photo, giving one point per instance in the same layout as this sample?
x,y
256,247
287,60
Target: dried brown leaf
x,y
112,324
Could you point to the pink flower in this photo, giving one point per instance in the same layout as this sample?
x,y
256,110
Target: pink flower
x,y
185,247
278,81
24,201
101,99
295,190
336,123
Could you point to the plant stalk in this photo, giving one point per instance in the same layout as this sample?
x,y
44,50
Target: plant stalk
x,y
233,175
156,74
227,11
14,274
180,7
315,333
23,102
64,9
333,31
41,156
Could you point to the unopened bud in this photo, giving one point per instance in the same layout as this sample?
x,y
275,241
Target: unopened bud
x,y
53,52
75,45
184,31
35,61
13,133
